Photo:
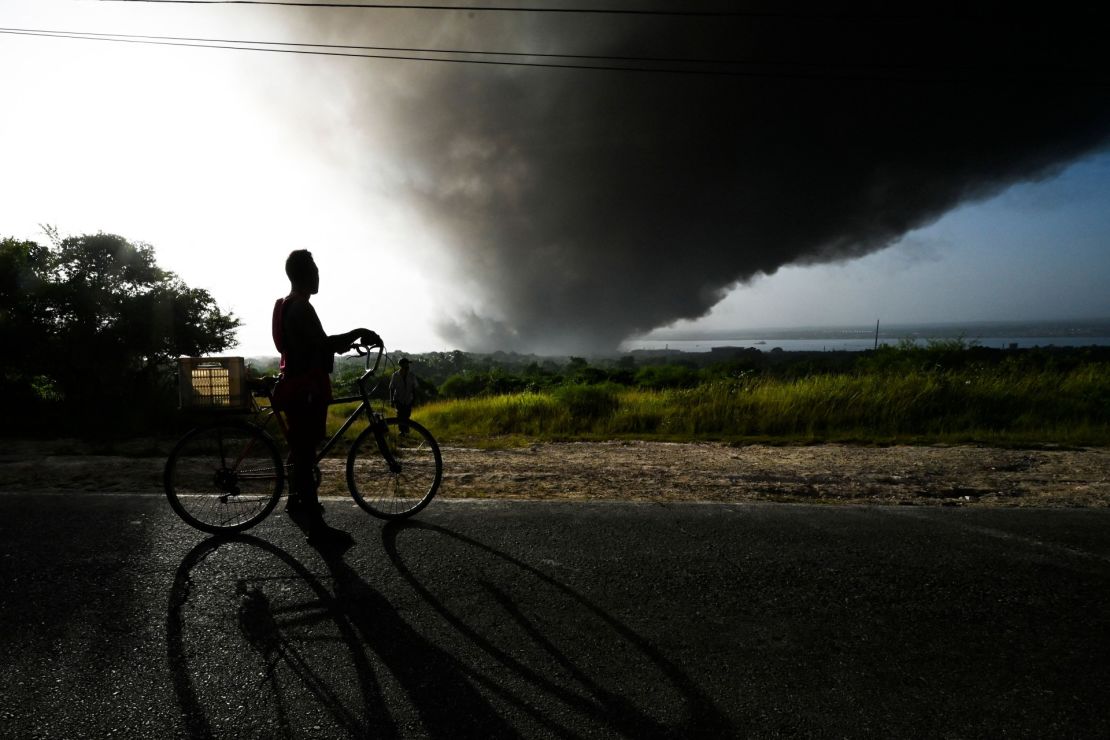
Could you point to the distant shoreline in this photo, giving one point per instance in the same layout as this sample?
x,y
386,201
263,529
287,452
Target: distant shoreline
x,y
858,344
997,335
894,332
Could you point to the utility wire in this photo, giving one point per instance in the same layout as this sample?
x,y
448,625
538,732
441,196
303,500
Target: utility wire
x,y
463,8
946,16
473,52
244,46
415,54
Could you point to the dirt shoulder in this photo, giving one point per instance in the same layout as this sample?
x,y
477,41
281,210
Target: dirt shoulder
x,y
657,471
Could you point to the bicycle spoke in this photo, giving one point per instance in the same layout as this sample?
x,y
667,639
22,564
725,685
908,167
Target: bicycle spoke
x,y
224,477
400,481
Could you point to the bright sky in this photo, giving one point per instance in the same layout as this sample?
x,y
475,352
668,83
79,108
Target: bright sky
x,y
204,155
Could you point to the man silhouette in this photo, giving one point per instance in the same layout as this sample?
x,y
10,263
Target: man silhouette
x,y
307,359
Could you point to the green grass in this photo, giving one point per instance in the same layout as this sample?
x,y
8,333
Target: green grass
x,y
969,406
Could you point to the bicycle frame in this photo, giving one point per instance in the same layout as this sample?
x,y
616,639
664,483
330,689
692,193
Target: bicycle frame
x,y
204,470
376,420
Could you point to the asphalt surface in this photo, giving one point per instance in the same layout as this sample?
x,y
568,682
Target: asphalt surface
x,y
556,620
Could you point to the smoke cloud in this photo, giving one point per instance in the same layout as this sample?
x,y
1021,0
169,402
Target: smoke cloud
x,y
577,208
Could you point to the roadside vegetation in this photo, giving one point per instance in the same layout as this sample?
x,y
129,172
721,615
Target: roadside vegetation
x,y
93,329
944,392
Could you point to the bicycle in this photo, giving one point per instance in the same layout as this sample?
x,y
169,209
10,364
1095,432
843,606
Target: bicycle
x,y
227,476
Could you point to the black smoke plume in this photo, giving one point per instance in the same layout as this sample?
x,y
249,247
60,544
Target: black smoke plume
x,y
577,208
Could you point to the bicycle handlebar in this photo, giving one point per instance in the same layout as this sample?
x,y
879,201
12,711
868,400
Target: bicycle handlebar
x,y
363,350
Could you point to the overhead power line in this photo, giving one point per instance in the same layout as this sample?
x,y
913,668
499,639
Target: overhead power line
x,y
462,8
881,15
277,47
804,71
247,46
245,43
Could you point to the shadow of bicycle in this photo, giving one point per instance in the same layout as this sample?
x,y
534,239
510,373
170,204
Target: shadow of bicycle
x,y
257,645
554,661
459,640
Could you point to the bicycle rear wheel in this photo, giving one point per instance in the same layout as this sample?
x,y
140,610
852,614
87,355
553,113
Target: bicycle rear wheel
x,y
225,477
399,488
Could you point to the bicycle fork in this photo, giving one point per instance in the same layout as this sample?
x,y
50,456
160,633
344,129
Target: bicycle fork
x,y
383,446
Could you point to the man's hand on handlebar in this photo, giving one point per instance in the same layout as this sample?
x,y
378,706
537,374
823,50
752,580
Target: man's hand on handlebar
x,y
368,338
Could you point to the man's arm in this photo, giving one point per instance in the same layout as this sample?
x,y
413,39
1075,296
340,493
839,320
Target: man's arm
x,y
303,331
339,343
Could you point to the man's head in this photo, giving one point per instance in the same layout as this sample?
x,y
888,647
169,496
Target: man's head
x,y
302,271
404,364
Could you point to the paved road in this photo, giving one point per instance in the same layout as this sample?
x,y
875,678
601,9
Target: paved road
x,y
556,620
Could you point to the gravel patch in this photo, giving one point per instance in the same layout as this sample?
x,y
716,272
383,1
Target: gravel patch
x,y
658,471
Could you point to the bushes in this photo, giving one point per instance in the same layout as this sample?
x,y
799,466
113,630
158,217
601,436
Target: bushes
x,y
667,376
946,392
494,382
588,403
971,404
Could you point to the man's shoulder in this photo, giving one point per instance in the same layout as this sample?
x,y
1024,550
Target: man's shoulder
x,y
296,308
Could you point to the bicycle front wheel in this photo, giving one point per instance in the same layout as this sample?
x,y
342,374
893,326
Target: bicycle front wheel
x,y
225,477
398,475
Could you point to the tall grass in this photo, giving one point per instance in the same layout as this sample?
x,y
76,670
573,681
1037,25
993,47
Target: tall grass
x,y
971,405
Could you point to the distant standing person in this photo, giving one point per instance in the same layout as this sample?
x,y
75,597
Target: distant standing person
x,y
402,393
307,359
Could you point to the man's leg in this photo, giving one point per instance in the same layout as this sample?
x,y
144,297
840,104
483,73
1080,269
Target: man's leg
x,y
305,432
304,470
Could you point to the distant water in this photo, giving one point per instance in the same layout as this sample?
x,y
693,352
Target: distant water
x,y
850,345
856,339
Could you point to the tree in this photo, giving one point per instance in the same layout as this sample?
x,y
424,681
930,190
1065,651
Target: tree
x,y
22,320
97,319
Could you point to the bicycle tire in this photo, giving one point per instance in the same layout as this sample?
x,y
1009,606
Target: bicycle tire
x,y
395,494
224,477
